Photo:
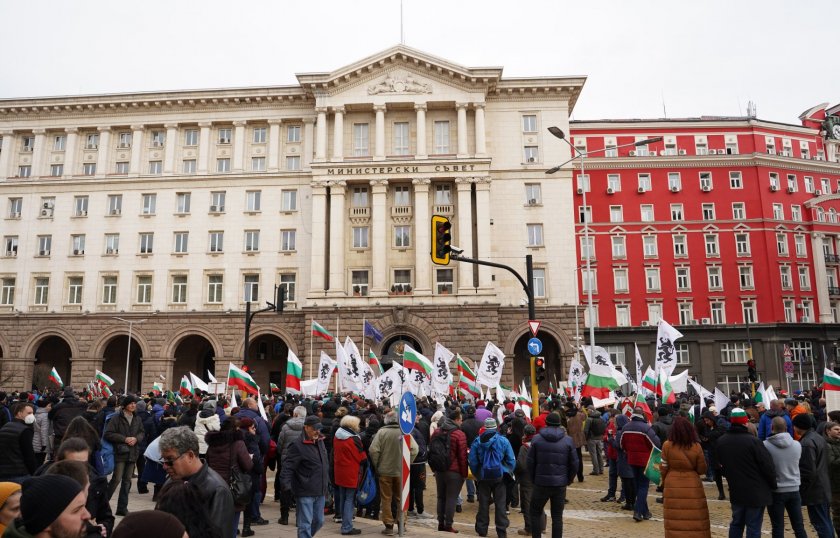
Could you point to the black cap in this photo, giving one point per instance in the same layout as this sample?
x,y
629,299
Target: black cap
x,y
313,422
44,498
553,419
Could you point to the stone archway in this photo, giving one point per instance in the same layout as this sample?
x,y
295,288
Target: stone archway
x,y
114,362
268,355
392,349
193,354
52,352
553,360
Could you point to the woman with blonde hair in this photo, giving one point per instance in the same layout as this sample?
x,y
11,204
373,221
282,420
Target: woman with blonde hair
x,y
348,455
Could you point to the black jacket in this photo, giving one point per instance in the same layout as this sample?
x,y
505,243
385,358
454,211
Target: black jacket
x,y
116,431
471,426
815,485
306,468
63,412
217,497
748,467
552,459
17,457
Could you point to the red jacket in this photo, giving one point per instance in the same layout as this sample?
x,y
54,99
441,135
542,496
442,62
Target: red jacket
x,y
348,454
457,450
612,453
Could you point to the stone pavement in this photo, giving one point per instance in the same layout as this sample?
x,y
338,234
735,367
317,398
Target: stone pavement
x,y
584,515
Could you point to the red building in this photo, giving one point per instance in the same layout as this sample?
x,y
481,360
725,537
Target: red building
x,y
728,226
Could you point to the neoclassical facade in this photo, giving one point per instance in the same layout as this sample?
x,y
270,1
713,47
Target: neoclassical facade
x,y
171,210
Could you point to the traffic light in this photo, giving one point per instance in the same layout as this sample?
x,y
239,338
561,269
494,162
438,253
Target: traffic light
x,y
441,240
280,301
539,369
751,371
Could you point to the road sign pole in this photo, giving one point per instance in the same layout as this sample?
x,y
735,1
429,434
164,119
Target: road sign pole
x,y
406,479
535,393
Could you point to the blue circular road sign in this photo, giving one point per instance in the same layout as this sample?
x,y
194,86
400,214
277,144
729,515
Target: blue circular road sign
x,y
534,346
408,413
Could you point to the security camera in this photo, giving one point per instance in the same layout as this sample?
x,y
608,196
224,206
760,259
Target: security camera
x,y
455,250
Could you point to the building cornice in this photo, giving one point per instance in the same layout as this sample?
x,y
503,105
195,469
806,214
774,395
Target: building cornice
x,y
709,161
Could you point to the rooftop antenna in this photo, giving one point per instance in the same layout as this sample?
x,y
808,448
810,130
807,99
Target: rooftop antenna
x,y
751,109
402,33
664,110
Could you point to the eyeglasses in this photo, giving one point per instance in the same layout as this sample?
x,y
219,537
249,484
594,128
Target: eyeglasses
x,y
170,463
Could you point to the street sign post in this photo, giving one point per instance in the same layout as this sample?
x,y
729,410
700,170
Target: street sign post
x,y
535,346
534,326
407,416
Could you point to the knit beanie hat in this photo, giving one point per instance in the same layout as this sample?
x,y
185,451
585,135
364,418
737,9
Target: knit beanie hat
x,y
490,424
553,419
7,489
149,523
803,421
44,499
738,416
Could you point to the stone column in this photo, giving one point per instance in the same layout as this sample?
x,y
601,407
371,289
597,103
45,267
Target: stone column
x,y
321,135
153,368
319,240
480,138
204,147
379,236
820,281
462,129
308,138
83,369
274,143
103,157
136,149
464,240
238,146
6,152
70,151
482,217
38,153
338,134
338,218
171,144
421,153
379,150
422,263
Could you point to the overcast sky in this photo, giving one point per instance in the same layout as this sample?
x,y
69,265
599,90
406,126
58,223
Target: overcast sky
x,y
642,58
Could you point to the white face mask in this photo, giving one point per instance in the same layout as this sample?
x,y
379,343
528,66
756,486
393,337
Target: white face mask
x,y
30,419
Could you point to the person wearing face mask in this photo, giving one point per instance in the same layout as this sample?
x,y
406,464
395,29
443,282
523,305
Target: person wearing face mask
x,y
18,461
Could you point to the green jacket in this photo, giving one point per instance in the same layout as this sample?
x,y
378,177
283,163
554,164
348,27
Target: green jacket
x,y
386,450
16,530
834,464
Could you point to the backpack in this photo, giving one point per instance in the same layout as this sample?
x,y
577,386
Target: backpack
x,y
491,462
439,452
104,457
597,428
367,488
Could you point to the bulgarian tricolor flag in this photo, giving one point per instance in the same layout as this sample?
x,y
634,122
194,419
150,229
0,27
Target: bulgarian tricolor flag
x,y
186,386
55,378
414,360
641,402
319,330
831,381
274,388
157,388
294,371
103,379
374,363
106,391
649,381
467,378
241,379
664,389
601,379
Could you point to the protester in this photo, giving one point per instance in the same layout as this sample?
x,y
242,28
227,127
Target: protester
x,y
348,455
490,457
51,506
306,474
18,460
794,409
150,523
183,500
206,421
686,511
125,432
79,428
594,429
552,463
226,453
371,511
637,439
815,487
785,453
624,469
709,433
449,482
777,409
612,458
417,472
250,409
750,474
385,453
251,515
9,504
150,433
832,433
575,420
41,440
470,426
290,431
63,412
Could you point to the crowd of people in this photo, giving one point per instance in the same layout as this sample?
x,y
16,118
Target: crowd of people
x,y
205,461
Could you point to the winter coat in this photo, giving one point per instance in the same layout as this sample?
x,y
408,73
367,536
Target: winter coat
x,y
637,439
457,447
575,429
552,460
202,426
470,426
18,458
263,434
116,432
662,427
97,499
306,467
215,492
491,440
624,468
292,429
609,435
348,455
226,450
766,420
63,412
785,453
188,419
594,427
748,467
813,470
41,438
386,448
422,447
686,511
834,464
521,469
149,428
16,529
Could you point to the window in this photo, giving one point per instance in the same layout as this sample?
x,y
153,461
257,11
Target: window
x,y
622,316
217,202
735,180
774,181
718,312
361,140
91,141
74,289
293,162
778,212
652,279
529,123
791,183
715,280
784,273
47,206
259,135
147,240
144,289
616,213
179,289
733,352
732,147
214,288
15,207
189,166
24,171
42,291
700,147
156,167
217,241
649,246
676,212
739,211
748,311
441,137
360,236
80,206
620,280
807,312
683,279
59,142
224,135
121,167
158,139
182,202
745,277
401,138
654,313
588,281
44,245
114,204
742,244
587,247
790,311
252,200
532,154
252,288
402,236
402,195
809,183
287,281
112,244
614,182
89,169
705,181
56,170
686,313
182,240
359,281
293,133
11,245
539,283
804,278
258,164
674,181
288,200
782,244
644,182
680,246
7,291
191,137
711,245
708,211
149,203
222,165
799,245
619,249
252,240
77,243
287,240
535,235
360,197
610,150
682,354
647,213
670,146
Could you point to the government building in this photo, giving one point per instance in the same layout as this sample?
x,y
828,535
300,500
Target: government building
x,y
161,214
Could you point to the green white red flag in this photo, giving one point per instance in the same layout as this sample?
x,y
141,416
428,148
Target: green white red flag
x,y
641,402
414,360
601,378
241,379
274,388
831,381
186,387
664,388
374,363
320,331
466,379
103,379
157,388
294,372
464,369
55,378
106,390
649,380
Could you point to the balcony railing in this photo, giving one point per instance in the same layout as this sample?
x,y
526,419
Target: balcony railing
x,y
833,290
832,258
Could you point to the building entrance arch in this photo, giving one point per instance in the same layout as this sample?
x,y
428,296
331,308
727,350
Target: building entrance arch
x,y
52,352
193,354
113,363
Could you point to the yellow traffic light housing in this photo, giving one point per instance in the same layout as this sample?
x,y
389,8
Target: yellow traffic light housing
x,y
441,240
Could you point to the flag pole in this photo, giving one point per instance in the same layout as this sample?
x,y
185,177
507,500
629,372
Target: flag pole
x,y
337,358
364,355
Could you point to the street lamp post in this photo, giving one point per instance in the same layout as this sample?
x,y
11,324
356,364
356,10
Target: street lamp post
x,y
557,132
128,347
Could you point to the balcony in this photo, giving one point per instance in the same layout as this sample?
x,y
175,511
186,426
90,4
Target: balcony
x,y
832,258
447,210
833,290
360,212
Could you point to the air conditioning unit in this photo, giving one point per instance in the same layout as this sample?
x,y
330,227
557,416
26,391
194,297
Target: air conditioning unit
x,y
641,190
580,191
532,201
109,251
43,253
16,214
819,158
115,211
706,321
532,159
214,208
224,141
771,151
645,323
817,192
157,144
675,189
11,253
632,153
695,322
683,152
706,188
610,190
83,213
791,190
806,319
663,152
78,252
774,188
45,212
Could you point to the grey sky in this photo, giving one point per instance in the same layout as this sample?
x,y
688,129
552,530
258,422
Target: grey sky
x,y
703,58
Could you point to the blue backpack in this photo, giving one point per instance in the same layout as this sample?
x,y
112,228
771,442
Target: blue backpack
x,y
104,458
367,489
491,461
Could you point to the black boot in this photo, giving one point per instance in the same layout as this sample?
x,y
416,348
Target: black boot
x,y
246,526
